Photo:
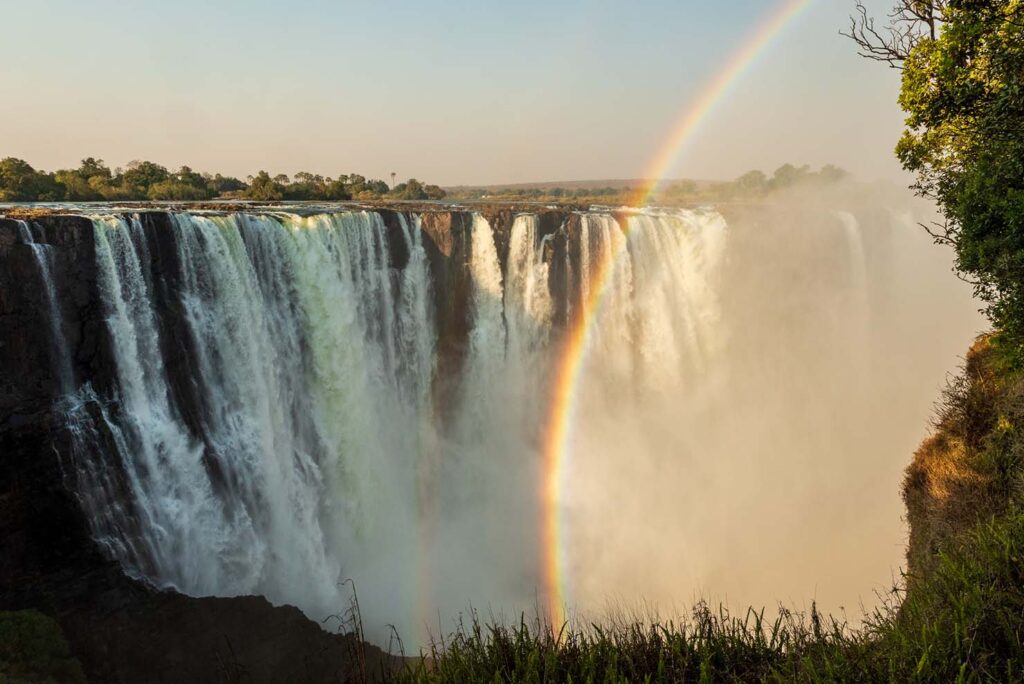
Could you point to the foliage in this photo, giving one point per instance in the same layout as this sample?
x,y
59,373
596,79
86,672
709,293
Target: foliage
x,y
414,190
264,188
141,175
145,180
33,649
963,92
19,182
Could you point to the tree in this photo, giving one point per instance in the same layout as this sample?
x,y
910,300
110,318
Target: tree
x,y
141,175
93,167
77,188
220,185
787,175
19,182
910,21
434,192
264,188
175,190
337,190
963,91
752,181
832,174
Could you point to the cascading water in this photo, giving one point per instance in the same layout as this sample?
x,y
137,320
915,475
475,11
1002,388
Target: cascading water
x,y
279,424
59,345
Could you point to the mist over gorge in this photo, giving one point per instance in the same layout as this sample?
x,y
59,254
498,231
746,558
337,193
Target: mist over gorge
x,y
274,401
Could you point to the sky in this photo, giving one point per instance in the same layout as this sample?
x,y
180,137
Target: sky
x,y
450,91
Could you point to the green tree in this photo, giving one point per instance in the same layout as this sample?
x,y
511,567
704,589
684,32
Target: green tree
x,y
141,175
76,188
93,167
220,185
264,188
337,190
19,182
963,91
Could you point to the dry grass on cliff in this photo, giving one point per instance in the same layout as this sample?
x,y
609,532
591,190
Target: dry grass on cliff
x,y
967,471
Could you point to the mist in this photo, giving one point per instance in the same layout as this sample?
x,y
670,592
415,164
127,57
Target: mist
x,y
341,419
769,472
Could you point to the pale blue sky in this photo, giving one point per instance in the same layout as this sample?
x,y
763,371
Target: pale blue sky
x,y
451,91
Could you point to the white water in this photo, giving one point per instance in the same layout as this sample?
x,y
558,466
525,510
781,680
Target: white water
x,y
61,355
287,429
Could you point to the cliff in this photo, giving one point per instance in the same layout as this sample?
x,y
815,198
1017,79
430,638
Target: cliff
x,y
122,628
969,471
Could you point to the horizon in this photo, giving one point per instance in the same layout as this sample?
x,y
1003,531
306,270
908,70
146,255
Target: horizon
x,y
207,96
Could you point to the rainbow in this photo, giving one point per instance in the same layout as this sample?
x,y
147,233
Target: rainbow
x,y
570,363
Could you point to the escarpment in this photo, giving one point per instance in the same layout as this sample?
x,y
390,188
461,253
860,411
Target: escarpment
x,y
66,413
969,470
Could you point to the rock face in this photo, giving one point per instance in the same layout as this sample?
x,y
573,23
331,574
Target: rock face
x,y
966,471
123,629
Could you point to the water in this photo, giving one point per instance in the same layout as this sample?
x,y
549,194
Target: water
x,y
280,424
60,352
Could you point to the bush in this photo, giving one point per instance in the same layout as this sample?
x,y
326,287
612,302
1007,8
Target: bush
x,y
33,649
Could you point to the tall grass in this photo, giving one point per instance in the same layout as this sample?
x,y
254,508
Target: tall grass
x,y
963,623
958,615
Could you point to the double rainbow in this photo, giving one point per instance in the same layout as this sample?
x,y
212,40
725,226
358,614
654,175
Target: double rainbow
x,y
556,446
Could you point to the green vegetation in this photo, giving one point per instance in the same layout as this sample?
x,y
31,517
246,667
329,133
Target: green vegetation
x,y
33,649
963,91
143,180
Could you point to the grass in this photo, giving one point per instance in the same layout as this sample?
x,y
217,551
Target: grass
x,y
963,623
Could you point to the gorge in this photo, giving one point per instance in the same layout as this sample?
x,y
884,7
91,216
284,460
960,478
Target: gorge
x,y
275,400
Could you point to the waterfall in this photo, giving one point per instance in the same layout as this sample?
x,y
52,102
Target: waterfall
x,y
860,306
527,300
858,264
58,344
279,421
294,453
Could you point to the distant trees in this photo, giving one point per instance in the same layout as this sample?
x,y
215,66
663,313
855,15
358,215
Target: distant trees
x,y
19,182
93,180
264,188
752,181
310,186
787,175
412,189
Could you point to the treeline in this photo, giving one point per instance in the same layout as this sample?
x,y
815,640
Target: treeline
x,y
540,194
144,180
750,184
